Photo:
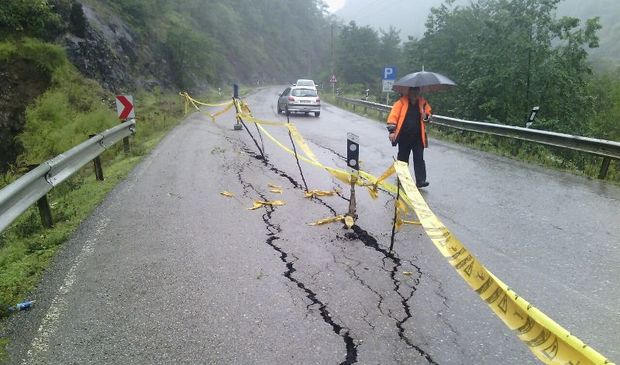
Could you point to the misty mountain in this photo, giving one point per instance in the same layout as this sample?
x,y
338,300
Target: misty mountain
x,y
409,17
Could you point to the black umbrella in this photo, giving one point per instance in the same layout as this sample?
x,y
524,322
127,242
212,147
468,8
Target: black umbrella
x,y
426,81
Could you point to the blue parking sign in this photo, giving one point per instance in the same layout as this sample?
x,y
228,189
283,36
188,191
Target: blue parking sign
x,y
389,73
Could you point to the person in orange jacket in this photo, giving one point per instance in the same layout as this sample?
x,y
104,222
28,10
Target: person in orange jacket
x,y
407,128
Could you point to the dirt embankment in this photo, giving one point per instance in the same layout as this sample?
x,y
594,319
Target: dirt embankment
x,y
22,82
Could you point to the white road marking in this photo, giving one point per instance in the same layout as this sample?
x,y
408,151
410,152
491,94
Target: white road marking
x,y
49,325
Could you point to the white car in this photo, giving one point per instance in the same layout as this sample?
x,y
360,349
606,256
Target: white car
x,y
305,83
299,99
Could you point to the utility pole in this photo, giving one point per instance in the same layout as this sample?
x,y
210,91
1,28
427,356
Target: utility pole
x,y
332,47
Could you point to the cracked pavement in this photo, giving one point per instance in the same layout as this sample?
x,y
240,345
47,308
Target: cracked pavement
x,y
168,271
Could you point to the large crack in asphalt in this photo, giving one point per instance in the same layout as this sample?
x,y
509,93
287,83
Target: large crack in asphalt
x,y
369,241
272,236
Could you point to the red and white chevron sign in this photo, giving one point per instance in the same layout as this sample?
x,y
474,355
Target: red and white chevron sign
x,y
124,107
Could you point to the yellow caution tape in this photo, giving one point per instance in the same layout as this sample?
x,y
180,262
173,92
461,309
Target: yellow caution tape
x,y
274,186
261,203
389,172
412,222
301,142
227,194
194,101
337,218
374,193
251,119
277,191
549,342
340,174
213,116
315,193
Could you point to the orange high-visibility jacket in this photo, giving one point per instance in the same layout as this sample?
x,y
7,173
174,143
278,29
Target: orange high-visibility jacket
x,y
399,110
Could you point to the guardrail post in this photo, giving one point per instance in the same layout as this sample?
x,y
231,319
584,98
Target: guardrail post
x,y
604,168
97,163
44,207
45,212
126,148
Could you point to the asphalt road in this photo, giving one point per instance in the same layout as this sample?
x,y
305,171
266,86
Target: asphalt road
x,y
168,271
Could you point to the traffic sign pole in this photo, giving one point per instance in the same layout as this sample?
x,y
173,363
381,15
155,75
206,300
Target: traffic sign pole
x,y
389,76
333,81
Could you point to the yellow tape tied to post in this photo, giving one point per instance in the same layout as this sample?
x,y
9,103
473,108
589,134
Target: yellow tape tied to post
x,y
549,342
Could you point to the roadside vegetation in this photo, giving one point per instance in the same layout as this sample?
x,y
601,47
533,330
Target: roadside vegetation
x,y
26,247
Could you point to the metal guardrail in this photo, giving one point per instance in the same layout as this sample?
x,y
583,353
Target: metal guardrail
x,y
18,196
599,147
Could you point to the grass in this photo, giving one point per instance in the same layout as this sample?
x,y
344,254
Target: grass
x,y
26,248
547,156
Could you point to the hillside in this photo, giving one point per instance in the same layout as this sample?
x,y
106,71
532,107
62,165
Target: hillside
x,y
129,45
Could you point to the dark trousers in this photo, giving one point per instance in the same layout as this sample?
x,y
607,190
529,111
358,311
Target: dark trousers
x,y
413,144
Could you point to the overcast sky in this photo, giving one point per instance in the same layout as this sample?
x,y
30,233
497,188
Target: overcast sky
x,y
335,4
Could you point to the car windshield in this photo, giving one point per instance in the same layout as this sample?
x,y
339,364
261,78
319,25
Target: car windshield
x,y
304,92
305,83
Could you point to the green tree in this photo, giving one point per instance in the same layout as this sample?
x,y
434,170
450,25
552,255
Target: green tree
x,y
28,17
357,54
390,50
508,56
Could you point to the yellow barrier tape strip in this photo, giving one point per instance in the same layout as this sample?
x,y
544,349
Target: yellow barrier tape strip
x,y
206,104
188,99
373,189
261,203
389,172
249,118
412,222
549,342
214,116
301,142
194,104
315,193
337,218
227,194
339,174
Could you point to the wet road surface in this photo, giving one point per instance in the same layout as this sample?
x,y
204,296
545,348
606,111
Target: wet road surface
x,y
169,271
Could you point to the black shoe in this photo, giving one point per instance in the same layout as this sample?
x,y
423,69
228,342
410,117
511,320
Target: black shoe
x,y
423,184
